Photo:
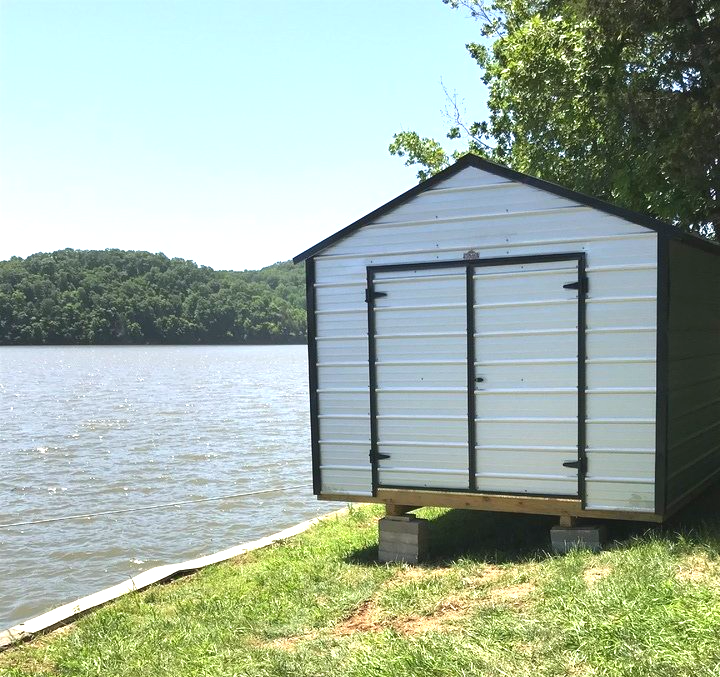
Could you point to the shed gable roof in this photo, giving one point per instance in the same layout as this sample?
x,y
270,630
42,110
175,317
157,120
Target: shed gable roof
x,y
470,160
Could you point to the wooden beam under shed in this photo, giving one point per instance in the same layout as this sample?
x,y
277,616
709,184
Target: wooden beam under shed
x,y
528,505
397,509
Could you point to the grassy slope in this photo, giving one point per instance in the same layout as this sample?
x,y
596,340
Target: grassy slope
x,y
491,602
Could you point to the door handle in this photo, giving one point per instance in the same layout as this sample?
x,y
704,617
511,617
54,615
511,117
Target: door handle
x,y
377,456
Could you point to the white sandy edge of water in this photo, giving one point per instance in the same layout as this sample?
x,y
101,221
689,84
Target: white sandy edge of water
x,y
68,612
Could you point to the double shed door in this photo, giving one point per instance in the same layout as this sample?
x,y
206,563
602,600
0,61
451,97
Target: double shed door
x,y
476,375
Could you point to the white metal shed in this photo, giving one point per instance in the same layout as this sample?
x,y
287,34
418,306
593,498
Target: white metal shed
x,y
491,340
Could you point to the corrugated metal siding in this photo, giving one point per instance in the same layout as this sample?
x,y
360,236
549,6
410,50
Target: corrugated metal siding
x,y
427,445
496,217
693,454
526,410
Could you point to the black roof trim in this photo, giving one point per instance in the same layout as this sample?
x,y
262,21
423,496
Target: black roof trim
x,y
476,161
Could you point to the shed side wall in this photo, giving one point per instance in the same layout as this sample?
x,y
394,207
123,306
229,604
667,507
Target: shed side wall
x,y
693,449
496,217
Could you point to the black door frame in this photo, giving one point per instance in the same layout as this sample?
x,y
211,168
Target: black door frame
x,y
469,266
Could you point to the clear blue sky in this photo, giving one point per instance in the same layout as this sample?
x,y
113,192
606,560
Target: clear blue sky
x,y
233,133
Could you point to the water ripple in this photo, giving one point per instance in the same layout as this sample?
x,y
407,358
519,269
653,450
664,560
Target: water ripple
x,y
89,429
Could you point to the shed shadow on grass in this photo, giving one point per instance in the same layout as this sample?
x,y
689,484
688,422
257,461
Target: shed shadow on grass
x,y
501,538
490,537
699,519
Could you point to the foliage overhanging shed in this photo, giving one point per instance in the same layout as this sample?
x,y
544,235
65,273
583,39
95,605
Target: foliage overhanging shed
x,y
490,340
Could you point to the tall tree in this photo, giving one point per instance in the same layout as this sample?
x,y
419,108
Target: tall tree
x,y
616,98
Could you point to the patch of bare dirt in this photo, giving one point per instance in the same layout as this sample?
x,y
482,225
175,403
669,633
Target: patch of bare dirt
x,y
595,574
695,569
448,611
511,594
365,620
362,620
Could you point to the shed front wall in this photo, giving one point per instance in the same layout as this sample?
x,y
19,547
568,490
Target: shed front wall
x,y
497,217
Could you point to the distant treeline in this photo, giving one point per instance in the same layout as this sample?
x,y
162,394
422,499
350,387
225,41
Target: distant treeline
x,y
133,297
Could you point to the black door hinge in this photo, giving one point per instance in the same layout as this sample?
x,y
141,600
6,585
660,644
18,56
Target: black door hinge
x,y
377,456
375,295
579,464
581,285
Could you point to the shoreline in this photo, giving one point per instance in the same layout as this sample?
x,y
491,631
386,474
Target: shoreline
x,y
490,599
66,613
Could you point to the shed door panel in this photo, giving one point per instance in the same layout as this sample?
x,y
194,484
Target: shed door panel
x,y
526,403
420,340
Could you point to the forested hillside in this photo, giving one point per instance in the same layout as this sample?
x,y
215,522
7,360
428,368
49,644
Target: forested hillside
x,y
134,297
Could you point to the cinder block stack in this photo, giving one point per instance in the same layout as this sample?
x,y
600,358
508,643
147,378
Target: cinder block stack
x,y
564,539
403,539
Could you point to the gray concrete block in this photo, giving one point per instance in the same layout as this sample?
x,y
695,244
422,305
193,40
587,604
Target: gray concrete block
x,y
403,539
564,539
407,548
391,526
397,538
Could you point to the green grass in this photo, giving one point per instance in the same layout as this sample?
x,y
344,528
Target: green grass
x,y
491,601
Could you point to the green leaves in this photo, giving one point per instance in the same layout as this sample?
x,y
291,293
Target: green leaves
x,y
425,151
121,297
618,100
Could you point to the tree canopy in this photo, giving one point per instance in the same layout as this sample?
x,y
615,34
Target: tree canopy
x,y
620,100
125,297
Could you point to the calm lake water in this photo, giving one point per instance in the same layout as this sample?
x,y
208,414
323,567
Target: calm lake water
x,y
87,429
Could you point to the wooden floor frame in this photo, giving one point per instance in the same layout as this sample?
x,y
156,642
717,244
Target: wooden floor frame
x,y
402,500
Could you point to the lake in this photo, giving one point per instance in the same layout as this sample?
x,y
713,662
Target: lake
x,y
88,429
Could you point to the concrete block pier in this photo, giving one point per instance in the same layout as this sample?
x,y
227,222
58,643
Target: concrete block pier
x,y
568,535
403,538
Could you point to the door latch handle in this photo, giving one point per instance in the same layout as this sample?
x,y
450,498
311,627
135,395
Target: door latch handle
x,y
369,295
581,285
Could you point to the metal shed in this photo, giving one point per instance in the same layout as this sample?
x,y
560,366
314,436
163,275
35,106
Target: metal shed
x,y
490,340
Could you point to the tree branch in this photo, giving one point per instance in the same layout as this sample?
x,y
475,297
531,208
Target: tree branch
x,y
455,116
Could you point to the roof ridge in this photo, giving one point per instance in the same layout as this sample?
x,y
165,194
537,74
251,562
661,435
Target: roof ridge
x,y
478,162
